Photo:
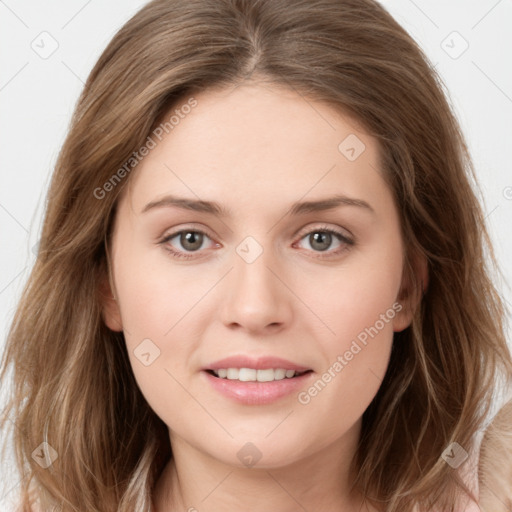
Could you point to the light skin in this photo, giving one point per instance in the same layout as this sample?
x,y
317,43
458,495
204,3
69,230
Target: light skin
x,y
257,149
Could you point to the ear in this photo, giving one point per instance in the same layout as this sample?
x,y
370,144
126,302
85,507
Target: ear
x,y
414,286
109,306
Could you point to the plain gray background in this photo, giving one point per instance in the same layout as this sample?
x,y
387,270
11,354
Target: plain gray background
x,y
47,49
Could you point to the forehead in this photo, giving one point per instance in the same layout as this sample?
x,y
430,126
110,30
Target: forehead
x,y
255,144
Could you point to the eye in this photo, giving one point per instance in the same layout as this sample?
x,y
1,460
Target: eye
x,y
321,238
191,240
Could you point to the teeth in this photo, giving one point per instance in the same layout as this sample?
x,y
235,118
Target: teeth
x,y
253,375
280,374
246,374
266,375
232,373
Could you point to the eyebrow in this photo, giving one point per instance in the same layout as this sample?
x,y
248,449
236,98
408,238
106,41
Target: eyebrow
x,y
298,208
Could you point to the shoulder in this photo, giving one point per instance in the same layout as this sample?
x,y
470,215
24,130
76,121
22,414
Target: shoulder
x,y
35,503
495,468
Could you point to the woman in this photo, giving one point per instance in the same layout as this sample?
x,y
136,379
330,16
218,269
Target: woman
x,y
262,369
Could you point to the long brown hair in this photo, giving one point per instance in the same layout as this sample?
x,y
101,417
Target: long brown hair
x,y
73,387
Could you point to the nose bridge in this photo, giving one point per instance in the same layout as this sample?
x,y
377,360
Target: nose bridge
x,y
256,297
253,279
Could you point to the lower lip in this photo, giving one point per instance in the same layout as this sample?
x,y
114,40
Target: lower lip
x,y
257,393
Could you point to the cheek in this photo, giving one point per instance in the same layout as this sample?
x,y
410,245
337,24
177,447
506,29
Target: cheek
x,y
353,297
357,302
149,308
356,356
155,295
159,305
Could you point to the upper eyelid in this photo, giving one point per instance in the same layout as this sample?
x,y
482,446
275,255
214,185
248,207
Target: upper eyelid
x,y
324,227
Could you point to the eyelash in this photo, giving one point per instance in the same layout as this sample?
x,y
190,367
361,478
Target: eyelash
x,y
322,229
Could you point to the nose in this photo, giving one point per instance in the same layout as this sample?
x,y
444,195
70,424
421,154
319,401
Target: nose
x,y
256,297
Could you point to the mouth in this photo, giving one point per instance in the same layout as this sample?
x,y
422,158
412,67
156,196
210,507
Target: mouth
x,y
261,380
257,386
256,375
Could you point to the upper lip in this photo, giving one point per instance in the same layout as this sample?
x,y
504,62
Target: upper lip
x,y
259,363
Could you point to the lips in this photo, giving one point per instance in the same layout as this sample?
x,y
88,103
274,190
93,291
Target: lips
x,y
256,381
260,363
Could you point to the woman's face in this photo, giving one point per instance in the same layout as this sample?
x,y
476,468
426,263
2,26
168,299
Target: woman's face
x,y
280,249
